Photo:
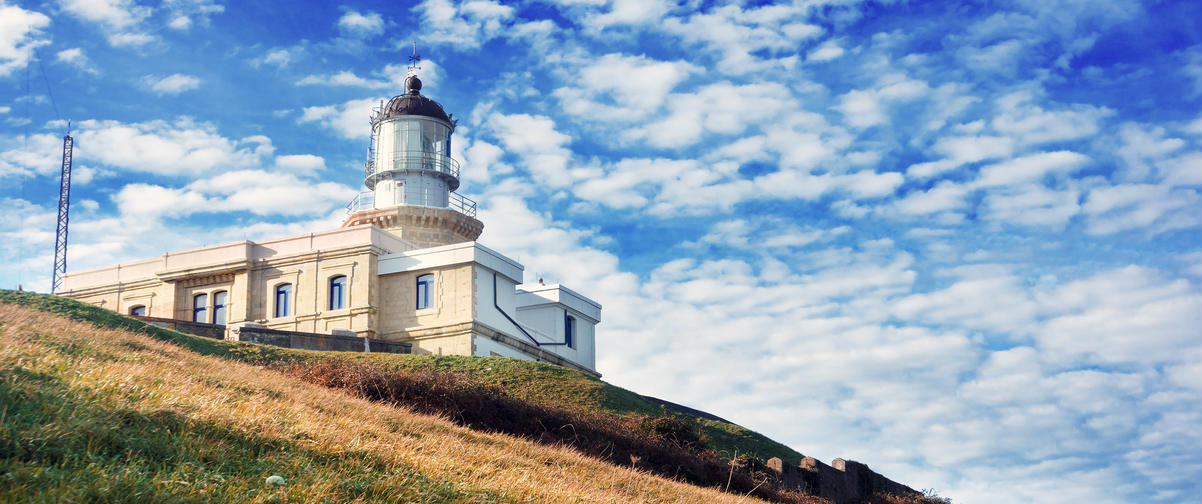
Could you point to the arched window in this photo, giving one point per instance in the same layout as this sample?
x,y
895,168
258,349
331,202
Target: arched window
x,y
283,300
425,291
569,330
138,310
200,304
338,292
220,299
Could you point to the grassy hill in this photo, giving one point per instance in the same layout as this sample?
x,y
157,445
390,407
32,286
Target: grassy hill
x,y
106,410
98,406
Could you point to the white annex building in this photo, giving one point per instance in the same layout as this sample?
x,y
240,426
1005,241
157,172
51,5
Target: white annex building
x,y
404,266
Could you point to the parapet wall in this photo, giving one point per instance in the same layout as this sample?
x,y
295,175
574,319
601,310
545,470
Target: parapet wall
x,y
313,341
844,481
287,339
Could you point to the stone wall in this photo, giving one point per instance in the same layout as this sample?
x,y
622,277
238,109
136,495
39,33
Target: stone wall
x,y
197,328
313,341
252,333
451,303
844,481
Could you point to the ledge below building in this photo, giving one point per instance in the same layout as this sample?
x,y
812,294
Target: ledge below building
x,y
422,226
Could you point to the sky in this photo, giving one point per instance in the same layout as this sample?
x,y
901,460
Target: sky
x,y
959,243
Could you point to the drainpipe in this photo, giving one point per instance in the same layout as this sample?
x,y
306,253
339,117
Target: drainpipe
x,y
511,320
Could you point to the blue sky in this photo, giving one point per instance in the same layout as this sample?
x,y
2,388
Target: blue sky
x,y
960,243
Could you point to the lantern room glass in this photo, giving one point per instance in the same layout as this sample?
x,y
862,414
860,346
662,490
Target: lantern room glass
x,y
420,144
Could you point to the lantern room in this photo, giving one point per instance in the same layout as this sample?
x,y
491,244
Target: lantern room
x,y
409,161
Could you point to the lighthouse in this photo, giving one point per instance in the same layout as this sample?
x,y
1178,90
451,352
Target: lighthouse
x,y
410,175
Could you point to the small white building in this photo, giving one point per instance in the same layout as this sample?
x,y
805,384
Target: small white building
x,y
404,266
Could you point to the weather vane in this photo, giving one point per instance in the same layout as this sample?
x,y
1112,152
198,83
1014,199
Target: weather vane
x,y
414,60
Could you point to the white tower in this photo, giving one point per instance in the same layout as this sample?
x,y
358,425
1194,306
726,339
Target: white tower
x,y
411,176
411,160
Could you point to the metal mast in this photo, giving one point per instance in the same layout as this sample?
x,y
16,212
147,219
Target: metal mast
x,y
64,207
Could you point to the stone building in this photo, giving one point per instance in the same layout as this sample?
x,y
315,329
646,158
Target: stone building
x,y
404,266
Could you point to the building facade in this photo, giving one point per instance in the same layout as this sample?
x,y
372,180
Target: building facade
x,y
404,266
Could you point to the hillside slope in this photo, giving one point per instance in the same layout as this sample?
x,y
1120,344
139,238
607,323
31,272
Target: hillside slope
x,y
103,411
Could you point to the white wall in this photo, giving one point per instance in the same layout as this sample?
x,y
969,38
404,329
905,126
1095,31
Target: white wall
x,y
548,321
486,347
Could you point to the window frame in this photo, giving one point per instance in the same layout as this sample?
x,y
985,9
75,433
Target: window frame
x,y
424,291
222,307
200,306
135,308
337,283
569,330
281,310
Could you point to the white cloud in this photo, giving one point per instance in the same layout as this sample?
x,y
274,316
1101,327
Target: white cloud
x,y
154,202
1131,315
1031,205
541,148
1149,155
256,191
721,108
270,193
863,108
76,58
361,25
632,183
960,150
1148,207
349,119
38,154
172,84
982,300
278,57
343,78
182,148
1029,123
944,196
827,51
20,35
465,25
738,37
1031,168
184,14
628,12
304,164
621,88
121,20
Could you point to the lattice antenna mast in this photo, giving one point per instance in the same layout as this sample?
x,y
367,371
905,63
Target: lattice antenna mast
x,y
64,210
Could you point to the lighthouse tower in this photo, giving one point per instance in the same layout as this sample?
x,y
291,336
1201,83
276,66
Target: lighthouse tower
x,y
410,175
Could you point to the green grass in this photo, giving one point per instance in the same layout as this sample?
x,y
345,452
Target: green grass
x,y
61,445
537,382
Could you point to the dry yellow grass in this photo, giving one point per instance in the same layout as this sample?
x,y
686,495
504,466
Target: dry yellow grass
x,y
134,372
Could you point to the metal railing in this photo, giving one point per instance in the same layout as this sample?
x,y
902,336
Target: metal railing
x,y
416,160
424,198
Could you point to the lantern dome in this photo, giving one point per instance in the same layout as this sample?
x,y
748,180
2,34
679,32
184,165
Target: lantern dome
x,y
412,103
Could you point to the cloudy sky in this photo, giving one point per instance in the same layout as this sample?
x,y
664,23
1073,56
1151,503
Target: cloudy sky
x,y
958,243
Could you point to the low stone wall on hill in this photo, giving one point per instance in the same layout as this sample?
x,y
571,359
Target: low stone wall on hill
x,y
254,333
843,481
215,331
313,341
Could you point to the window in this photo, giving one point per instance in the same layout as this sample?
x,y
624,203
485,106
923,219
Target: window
x,y
338,292
138,311
569,330
200,303
283,299
425,291
219,307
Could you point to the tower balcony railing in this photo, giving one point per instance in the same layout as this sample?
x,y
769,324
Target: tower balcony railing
x,y
366,200
416,160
